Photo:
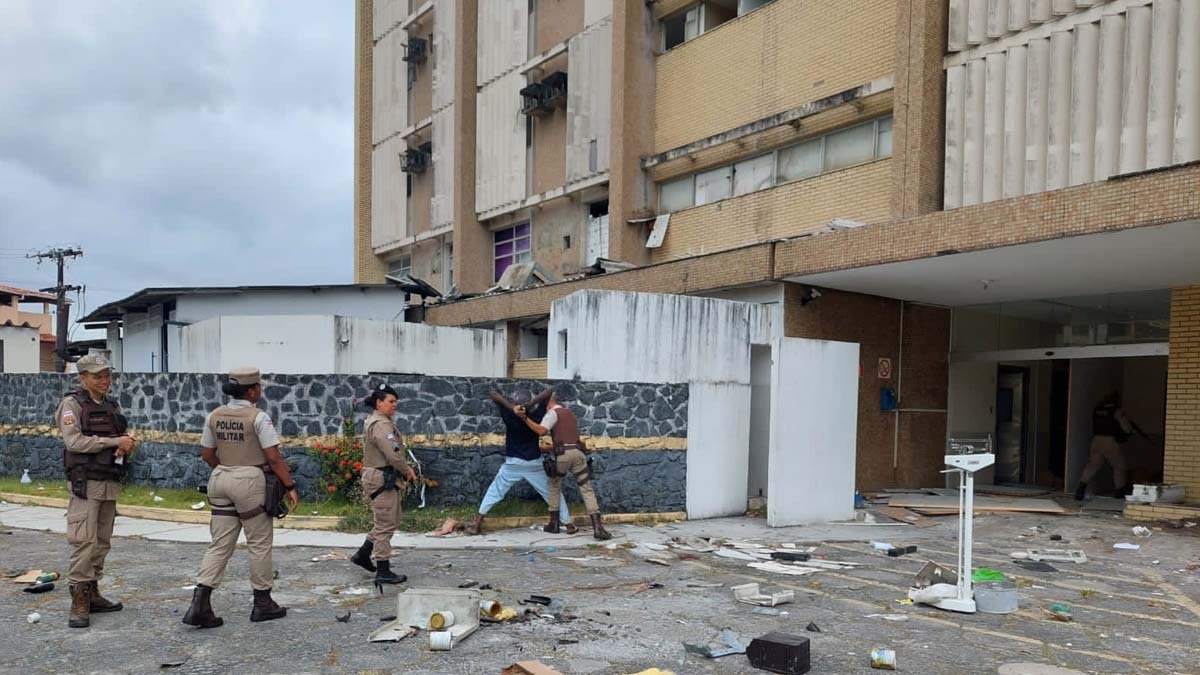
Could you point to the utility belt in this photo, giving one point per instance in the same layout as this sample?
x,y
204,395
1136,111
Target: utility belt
x,y
273,500
550,459
389,481
79,475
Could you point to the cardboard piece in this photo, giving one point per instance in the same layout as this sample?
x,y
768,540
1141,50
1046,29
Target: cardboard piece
x,y
949,505
905,516
529,668
27,578
750,595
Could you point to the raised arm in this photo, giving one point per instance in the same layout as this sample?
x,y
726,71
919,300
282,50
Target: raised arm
x,y
499,400
544,396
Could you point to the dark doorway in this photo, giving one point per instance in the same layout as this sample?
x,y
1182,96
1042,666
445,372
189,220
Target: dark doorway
x,y
1012,406
1060,389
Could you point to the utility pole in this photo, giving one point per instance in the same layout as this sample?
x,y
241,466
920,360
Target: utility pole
x,y
60,255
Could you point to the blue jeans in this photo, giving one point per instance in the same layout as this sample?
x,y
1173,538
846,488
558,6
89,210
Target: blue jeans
x,y
513,471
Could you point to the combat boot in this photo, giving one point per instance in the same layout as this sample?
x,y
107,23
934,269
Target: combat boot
x,y
200,614
598,530
362,557
553,526
1081,491
265,608
98,604
79,606
384,574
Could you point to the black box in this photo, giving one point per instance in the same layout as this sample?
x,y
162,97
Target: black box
x,y
779,653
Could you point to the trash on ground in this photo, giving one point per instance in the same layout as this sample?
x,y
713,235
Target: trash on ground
x,y
789,556
1059,612
1126,546
197,506
1156,493
982,574
28,577
883,659
159,499
416,606
780,653
812,627
1050,555
47,576
1035,566
750,595
730,644
703,584
468,584
332,555
897,551
933,573
529,668
33,617
447,528
931,595
41,587
996,597
735,555
780,568
653,671
881,546
1140,531
1056,537
537,600
342,618
355,591
768,611
889,617
692,544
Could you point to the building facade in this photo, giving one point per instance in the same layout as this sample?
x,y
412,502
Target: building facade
x,y
27,338
995,199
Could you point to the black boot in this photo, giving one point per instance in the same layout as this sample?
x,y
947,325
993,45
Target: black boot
x,y
98,604
200,614
80,610
553,526
362,557
1081,491
384,575
598,530
265,608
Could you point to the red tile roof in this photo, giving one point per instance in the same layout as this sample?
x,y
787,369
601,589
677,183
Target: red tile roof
x,y
27,295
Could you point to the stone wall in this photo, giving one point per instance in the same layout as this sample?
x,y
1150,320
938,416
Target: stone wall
x,y
639,430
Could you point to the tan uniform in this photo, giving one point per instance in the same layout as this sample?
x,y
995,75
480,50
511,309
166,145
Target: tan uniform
x,y
89,521
383,447
564,430
239,432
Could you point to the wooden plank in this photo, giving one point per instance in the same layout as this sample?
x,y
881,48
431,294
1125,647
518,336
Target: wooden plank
x,y
928,503
905,516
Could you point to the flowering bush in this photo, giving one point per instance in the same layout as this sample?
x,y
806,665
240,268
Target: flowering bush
x,y
340,463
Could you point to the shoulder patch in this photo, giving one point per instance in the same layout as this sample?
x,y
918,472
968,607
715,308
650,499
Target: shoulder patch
x,y
68,417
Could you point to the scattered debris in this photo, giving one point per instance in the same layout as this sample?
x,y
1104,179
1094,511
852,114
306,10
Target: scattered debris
x,y
933,594
780,568
933,573
883,659
1056,537
33,617
415,608
197,506
1126,546
529,668
768,611
812,627
896,552
749,594
1059,612
355,591
468,584
790,556
889,617
735,555
1034,566
447,528
1156,493
780,653
881,546
332,555
945,505
47,576
41,587
996,597
906,516
1139,531
159,499
1050,555
389,617
28,577
730,645
983,574
537,600
343,618
704,584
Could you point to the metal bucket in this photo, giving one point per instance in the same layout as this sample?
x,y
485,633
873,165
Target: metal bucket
x,y
996,597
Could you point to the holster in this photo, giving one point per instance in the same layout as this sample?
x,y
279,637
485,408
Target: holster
x,y
77,477
389,482
550,464
273,494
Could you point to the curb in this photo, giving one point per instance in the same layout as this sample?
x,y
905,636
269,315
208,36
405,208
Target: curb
x,y
297,522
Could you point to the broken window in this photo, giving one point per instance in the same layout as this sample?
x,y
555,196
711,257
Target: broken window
x,y
683,26
714,185
676,195
800,161
400,266
754,174
747,6
849,146
510,246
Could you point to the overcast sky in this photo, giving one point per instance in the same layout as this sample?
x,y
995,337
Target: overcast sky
x,y
178,142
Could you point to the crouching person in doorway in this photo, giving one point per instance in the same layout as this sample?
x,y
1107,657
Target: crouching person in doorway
x,y
567,450
384,466
241,445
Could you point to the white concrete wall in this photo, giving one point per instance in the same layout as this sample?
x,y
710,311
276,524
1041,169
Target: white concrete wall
x,y
199,348
384,303
760,420
141,343
814,426
589,98
21,349
500,153
767,322
366,346
278,344
718,449
1041,95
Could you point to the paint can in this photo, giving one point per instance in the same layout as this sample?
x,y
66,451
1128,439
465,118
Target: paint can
x,y
883,659
996,597
441,620
441,641
490,608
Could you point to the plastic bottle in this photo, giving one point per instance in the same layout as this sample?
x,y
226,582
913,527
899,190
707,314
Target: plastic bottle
x,y
25,479
48,576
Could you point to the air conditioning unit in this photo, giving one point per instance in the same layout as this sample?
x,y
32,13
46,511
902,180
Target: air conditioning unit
x,y
543,97
416,161
416,50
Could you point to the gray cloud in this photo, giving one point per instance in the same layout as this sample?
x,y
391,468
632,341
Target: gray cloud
x,y
179,143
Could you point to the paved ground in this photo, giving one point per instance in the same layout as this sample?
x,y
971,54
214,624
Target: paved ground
x,y
1131,615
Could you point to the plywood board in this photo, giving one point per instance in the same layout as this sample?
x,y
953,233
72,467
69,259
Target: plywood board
x,y
930,503
905,516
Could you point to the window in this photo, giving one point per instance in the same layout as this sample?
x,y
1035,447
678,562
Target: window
x,y
838,150
681,27
510,246
562,347
400,266
449,249
800,161
747,6
849,146
754,174
676,195
713,185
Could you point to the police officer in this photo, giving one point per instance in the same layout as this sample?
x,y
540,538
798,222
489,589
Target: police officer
x,y
93,431
563,427
1111,427
240,444
384,461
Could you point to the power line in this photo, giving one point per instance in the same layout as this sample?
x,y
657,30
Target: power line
x,y
60,256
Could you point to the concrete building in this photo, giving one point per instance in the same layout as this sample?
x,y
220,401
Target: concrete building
x,y
27,339
995,199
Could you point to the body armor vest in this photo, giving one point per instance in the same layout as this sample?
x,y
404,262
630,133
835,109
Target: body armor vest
x,y
102,419
373,455
237,441
565,433
1104,422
